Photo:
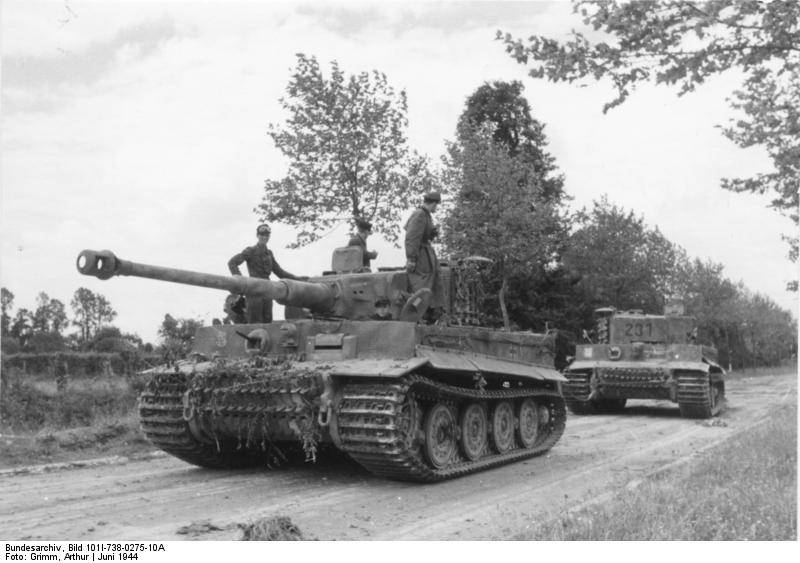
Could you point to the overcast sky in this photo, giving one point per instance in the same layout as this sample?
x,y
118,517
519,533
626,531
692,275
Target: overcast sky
x,y
140,127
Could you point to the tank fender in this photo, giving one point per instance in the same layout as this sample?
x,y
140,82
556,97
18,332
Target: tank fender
x,y
458,360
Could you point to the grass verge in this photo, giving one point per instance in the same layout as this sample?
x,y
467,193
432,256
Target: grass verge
x,y
744,489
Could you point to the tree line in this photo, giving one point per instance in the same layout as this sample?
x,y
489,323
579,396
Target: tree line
x,y
506,199
45,329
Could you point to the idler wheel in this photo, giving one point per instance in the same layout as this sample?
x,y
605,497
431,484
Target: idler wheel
x,y
474,427
440,435
503,427
528,423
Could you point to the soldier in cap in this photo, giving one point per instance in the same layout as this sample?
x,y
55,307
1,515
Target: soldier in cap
x,y
260,264
364,229
421,262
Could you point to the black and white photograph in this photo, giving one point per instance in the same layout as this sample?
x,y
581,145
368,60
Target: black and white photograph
x,y
464,273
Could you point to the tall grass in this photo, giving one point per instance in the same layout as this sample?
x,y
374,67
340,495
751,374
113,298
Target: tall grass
x,y
744,489
29,404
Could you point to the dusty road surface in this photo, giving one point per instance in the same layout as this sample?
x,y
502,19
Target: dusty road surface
x,y
166,499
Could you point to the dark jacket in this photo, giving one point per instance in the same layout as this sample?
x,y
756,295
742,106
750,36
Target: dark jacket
x,y
260,263
419,233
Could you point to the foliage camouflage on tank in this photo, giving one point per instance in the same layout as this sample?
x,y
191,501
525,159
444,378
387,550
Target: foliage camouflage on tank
x,y
638,356
408,391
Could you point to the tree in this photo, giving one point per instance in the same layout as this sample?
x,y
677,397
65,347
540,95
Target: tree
x,y
503,105
111,339
177,335
500,211
7,303
49,316
91,312
620,261
21,327
347,151
682,44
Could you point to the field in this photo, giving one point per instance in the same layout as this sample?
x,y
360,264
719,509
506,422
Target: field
x,y
89,417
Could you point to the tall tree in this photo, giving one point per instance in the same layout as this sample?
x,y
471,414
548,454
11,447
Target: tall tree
x,y
500,211
91,311
682,44
621,262
503,105
22,326
347,153
7,303
49,315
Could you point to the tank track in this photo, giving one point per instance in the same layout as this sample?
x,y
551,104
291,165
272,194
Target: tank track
x,y
696,398
237,424
161,418
378,425
577,390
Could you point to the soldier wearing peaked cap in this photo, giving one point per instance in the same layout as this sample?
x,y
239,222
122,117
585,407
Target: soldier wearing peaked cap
x,y
364,229
261,263
421,262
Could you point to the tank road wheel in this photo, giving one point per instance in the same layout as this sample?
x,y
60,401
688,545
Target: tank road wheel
x,y
503,427
474,426
440,435
528,423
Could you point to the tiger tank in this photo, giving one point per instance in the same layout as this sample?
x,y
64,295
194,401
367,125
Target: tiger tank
x,y
411,386
640,356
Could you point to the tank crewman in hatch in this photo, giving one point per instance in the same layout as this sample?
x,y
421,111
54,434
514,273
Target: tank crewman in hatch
x,y
360,239
260,264
421,262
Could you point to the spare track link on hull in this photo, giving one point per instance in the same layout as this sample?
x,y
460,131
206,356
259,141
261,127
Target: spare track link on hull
x,y
379,425
696,397
161,418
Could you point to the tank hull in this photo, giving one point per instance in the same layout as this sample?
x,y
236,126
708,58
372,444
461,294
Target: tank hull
x,y
406,401
603,377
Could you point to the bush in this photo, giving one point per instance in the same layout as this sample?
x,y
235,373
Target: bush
x,y
27,405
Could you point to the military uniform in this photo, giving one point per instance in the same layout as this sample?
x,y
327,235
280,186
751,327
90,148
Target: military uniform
x,y
420,231
260,264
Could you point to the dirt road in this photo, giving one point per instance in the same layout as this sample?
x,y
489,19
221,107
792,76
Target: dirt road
x,y
167,499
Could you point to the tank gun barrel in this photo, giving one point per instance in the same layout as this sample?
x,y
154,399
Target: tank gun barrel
x,y
104,264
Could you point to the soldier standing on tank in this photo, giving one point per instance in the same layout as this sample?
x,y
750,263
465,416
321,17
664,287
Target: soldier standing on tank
x,y
260,264
421,262
360,239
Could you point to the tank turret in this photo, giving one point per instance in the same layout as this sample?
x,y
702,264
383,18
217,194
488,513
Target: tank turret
x,y
380,295
410,385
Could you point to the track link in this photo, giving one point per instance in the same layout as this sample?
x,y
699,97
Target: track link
x,y
696,396
218,423
161,411
379,426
